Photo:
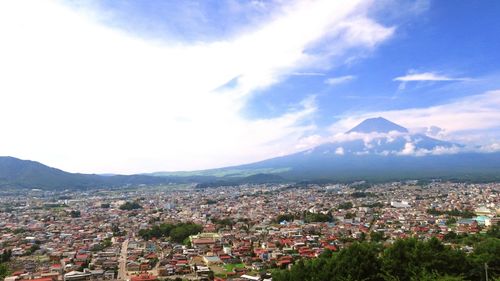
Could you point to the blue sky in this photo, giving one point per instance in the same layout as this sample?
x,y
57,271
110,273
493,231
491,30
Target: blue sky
x,y
139,86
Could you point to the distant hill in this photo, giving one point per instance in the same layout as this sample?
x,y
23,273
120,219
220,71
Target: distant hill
x,y
17,173
233,181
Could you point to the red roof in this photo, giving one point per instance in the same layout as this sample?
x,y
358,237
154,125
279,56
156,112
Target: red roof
x,y
82,257
203,241
143,277
331,247
283,262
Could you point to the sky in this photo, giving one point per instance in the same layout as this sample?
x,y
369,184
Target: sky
x,y
143,86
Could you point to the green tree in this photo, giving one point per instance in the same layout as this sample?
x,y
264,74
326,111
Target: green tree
x,y
494,231
408,259
4,271
75,214
451,221
345,205
130,206
377,236
359,262
486,252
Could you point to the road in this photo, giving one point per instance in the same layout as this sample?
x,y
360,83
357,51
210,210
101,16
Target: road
x,y
122,268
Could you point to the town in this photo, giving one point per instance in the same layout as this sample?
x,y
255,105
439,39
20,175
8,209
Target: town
x,y
224,233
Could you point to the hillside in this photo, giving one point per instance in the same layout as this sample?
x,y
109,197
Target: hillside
x,y
377,150
17,173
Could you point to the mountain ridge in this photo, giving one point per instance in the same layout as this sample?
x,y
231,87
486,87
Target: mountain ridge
x,y
376,149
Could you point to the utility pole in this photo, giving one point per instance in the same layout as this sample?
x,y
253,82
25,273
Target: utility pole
x,y
486,270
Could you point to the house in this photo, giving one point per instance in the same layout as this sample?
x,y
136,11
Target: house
x,y
77,276
211,260
144,277
249,277
133,266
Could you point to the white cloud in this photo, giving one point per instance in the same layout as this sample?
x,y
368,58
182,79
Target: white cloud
x,y
409,149
309,141
307,74
339,151
339,80
85,97
491,147
427,76
366,137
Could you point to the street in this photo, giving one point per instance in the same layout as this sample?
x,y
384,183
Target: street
x,y
122,268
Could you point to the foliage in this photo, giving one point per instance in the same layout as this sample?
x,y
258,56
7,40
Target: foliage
x,y
358,262
211,202
222,223
405,260
451,221
5,256
75,214
454,212
130,206
494,231
361,186
32,249
409,258
377,236
19,230
4,271
117,231
374,205
284,217
360,194
317,217
350,215
106,243
345,205
177,232
486,252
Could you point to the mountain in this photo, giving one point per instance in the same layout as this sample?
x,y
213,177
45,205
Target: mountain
x,y
377,149
378,125
17,173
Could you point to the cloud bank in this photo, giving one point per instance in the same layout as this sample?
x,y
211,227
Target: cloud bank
x,y
86,97
472,120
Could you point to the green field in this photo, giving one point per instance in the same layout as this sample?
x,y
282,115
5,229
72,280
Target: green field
x,y
230,267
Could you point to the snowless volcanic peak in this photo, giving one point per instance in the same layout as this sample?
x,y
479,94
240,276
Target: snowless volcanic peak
x,y
377,125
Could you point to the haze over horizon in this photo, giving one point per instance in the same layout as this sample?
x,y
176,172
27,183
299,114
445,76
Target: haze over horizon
x,y
133,86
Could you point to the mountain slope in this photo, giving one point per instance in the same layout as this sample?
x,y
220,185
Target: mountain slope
x,y
378,149
17,173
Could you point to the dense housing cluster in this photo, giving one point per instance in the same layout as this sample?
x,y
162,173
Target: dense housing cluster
x,y
226,233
